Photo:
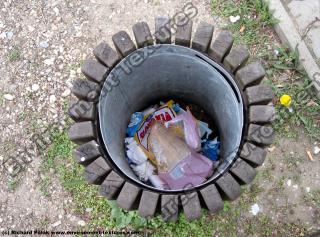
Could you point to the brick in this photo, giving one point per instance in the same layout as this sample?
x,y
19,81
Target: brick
x,y
260,94
94,71
261,113
237,57
162,30
221,46
183,33
82,111
202,37
212,198
87,152
128,196
251,74
253,154
96,171
243,171
142,34
106,55
111,186
169,207
262,135
85,90
123,43
191,206
148,204
82,132
229,186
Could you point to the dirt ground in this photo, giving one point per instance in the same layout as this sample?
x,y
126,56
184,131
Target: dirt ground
x,y
42,46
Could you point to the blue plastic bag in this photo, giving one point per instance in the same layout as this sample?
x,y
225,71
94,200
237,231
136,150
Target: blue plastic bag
x,y
135,122
211,149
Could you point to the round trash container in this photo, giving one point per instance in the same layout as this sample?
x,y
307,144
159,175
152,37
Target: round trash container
x,y
212,74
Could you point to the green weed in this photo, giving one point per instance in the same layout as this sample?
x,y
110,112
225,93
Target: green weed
x,y
255,19
14,55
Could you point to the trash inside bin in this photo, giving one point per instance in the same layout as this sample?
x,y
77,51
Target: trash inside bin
x,y
166,142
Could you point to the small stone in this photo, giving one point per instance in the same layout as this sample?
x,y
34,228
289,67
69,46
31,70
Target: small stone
x,y
49,61
234,19
1,220
255,209
10,169
56,224
316,150
9,35
8,97
89,209
6,35
295,186
307,189
60,216
1,158
66,93
56,10
271,149
3,35
44,44
289,182
35,87
31,28
81,223
52,99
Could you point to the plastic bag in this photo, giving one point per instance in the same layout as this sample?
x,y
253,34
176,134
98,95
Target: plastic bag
x,y
205,131
161,115
134,153
191,171
211,149
145,171
166,148
187,126
149,111
135,122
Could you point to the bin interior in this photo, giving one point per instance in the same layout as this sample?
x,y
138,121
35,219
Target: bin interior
x,y
176,72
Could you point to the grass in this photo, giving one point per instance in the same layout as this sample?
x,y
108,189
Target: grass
x,y
14,55
13,183
22,116
314,197
254,24
279,61
305,104
1,99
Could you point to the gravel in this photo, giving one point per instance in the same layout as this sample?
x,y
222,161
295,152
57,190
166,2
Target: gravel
x,y
8,97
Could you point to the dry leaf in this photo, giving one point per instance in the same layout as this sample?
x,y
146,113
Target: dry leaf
x,y
311,103
309,155
242,29
271,149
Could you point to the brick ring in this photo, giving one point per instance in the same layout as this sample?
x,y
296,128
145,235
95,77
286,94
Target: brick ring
x,y
113,185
